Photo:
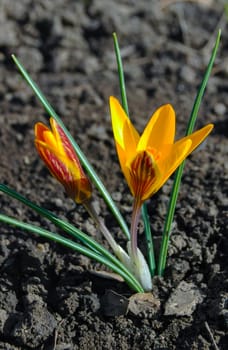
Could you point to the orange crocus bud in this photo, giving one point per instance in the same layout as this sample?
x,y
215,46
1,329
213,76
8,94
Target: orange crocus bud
x,y
57,152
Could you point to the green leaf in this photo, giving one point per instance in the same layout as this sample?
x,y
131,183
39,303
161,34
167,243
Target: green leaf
x,y
68,228
178,175
91,172
75,246
121,74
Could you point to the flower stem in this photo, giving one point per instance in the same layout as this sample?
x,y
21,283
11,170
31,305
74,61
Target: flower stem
x,y
134,226
139,266
101,225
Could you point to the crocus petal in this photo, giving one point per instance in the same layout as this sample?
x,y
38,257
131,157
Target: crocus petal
x,y
39,130
124,132
63,143
56,134
56,151
52,157
123,159
160,130
177,154
197,137
45,135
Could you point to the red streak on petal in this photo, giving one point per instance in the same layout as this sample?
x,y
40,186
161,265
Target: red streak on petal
x,y
63,163
58,168
143,174
68,148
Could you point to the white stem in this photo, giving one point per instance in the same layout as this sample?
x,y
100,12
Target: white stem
x,y
104,230
139,268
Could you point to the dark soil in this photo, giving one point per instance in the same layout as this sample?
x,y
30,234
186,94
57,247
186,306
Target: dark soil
x,y
49,296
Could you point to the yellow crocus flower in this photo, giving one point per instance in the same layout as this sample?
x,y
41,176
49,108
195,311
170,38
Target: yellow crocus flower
x,y
147,161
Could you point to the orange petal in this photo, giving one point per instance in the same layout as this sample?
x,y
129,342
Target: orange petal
x,y
171,162
124,160
160,130
124,132
197,137
39,130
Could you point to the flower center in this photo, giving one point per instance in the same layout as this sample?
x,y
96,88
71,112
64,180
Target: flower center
x,y
143,173
155,153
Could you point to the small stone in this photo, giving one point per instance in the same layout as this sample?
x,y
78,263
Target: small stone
x,y
143,304
117,196
19,137
220,108
26,160
184,299
187,74
58,202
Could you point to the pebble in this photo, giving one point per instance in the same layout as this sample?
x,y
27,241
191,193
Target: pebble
x,y
187,74
117,196
220,108
183,300
58,202
26,160
144,305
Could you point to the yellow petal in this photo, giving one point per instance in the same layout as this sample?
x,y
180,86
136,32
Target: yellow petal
x,y
45,135
180,151
170,163
197,137
160,130
124,132
123,161
57,136
50,140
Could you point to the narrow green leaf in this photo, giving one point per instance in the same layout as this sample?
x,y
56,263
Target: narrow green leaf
x,y
121,74
67,227
178,175
149,239
72,245
91,172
